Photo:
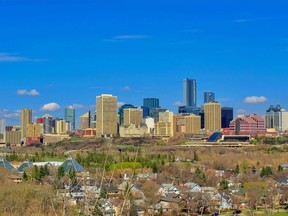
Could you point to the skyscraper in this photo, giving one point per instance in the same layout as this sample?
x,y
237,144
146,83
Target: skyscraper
x,y
26,118
277,118
226,116
106,112
189,92
133,116
121,112
70,116
48,124
2,130
151,102
85,120
212,116
209,97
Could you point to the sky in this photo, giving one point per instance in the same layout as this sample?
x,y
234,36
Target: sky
x,y
55,53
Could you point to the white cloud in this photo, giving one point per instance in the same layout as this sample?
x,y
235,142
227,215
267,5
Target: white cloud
x,y
32,92
255,99
241,111
177,103
126,88
6,114
8,57
50,107
128,37
119,104
77,106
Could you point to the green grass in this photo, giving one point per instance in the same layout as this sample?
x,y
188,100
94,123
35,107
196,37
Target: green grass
x,y
125,165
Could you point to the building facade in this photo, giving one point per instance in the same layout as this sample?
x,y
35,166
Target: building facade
x,y
226,116
2,130
193,124
132,116
48,124
121,112
209,97
212,117
151,102
189,92
85,121
277,118
106,112
69,116
26,118
248,125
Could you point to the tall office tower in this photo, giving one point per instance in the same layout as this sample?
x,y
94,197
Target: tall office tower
x,y
212,116
226,116
190,92
209,97
85,120
106,112
2,130
48,124
60,126
192,124
133,116
26,118
121,112
151,102
277,118
70,116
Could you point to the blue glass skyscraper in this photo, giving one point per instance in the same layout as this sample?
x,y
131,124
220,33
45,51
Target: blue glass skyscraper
x,y
70,116
189,92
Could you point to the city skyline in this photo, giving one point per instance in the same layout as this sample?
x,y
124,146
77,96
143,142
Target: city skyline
x,y
49,61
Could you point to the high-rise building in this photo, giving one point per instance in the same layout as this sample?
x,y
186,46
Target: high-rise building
x,y
151,102
226,116
26,118
85,121
121,112
2,131
192,124
277,118
70,116
106,112
133,116
164,127
189,92
34,133
212,116
60,126
209,97
48,124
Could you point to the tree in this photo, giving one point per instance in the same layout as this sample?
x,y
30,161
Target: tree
x,y
150,190
60,172
266,171
155,168
24,176
224,184
35,173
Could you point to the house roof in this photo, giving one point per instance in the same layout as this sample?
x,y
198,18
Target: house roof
x,y
170,199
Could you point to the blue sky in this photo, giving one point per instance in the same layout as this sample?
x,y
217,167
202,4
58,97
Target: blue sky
x,y
67,52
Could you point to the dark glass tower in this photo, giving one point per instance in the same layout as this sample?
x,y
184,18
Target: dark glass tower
x,y
189,92
226,116
209,97
151,102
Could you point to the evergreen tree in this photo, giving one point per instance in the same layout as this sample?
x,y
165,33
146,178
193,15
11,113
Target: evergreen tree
x,y
280,168
24,176
46,170
41,172
224,184
155,168
35,173
60,172
237,170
